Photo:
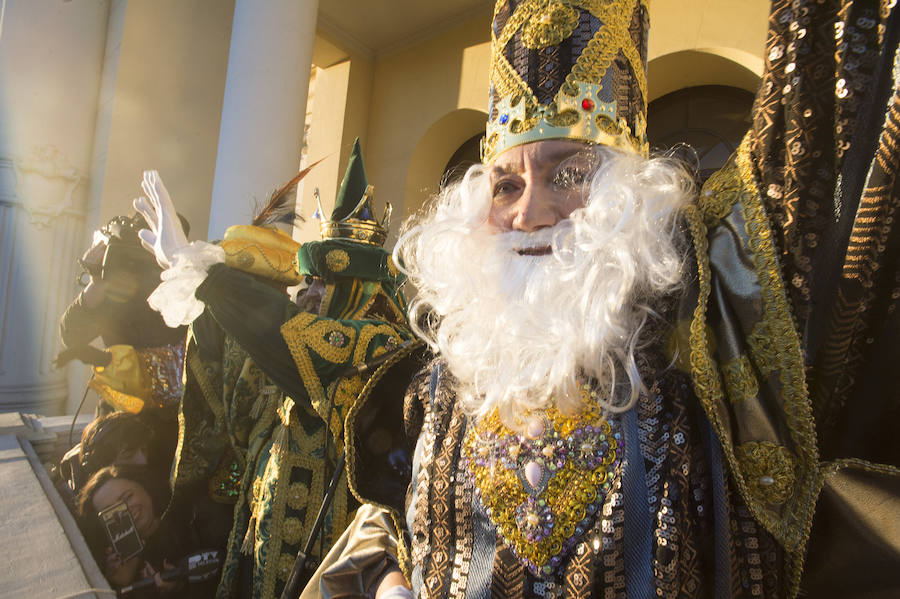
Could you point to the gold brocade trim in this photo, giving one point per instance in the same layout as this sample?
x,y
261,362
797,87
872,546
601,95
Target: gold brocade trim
x,y
337,344
367,333
375,291
612,37
736,183
557,22
297,450
740,382
404,561
203,372
768,470
302,333
345,394
763,349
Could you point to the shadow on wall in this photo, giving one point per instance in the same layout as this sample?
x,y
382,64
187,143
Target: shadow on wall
x,y
434,152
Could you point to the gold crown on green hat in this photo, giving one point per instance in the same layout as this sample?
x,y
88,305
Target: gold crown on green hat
x,y
360,224
568,69
353,218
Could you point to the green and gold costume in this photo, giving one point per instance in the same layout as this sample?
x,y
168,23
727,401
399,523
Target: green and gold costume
x,y
263,379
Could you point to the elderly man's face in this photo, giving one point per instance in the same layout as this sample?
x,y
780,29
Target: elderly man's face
x,y
536,185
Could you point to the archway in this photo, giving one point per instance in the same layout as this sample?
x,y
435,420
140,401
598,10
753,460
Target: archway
x,y
433,152
703,66
710,119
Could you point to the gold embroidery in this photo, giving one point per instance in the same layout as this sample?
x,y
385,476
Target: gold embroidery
x,y
296,495
736,183
285,565
768,469
575,112
763,348
293,531
537,489
344,395
609,40
337,260
740,381
556,23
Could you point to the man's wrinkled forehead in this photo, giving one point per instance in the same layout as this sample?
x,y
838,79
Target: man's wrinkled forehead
x,y
541,154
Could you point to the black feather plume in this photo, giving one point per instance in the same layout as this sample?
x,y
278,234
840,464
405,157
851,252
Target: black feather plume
x,y
281,205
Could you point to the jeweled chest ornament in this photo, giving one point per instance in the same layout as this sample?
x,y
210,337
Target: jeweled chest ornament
x,y
542,487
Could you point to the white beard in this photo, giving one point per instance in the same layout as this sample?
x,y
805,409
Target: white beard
x,y
522,332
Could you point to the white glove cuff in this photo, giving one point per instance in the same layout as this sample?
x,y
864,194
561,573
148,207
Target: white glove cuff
x,y
397,592
174,297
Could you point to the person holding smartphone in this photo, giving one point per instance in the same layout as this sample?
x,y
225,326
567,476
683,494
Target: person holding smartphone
x,y
120,513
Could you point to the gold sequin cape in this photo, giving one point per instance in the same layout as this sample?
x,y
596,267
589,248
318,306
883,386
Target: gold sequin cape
x,y
264,454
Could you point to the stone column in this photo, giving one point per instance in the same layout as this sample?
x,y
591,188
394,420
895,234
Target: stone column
x,y
48,108
264,107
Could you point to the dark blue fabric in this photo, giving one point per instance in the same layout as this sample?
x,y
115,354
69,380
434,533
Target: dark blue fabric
x,y
638,519
722,532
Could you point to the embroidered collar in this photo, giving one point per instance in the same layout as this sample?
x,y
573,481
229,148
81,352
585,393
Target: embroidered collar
x,y
542,487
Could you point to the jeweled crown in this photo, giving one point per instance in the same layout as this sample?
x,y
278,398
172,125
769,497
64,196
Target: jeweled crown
x,y
568,69
353,218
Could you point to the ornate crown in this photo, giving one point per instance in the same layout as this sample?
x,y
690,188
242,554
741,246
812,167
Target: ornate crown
x,y
568,69
351,238
359,225
352,217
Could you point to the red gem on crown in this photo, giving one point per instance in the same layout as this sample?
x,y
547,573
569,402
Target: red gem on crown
x,y
587,104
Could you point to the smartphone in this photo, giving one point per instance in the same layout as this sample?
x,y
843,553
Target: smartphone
x,y
123,536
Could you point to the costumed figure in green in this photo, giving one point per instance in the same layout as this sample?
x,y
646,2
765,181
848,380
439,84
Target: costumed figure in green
x,y
268,385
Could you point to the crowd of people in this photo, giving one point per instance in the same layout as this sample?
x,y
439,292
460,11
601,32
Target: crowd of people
x,y
608,384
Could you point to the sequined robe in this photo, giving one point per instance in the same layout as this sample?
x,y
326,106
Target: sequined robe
x,y
671,524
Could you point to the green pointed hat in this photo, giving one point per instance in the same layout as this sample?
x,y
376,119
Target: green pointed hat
x,y
351,238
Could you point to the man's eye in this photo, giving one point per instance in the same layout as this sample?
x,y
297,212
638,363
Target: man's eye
x,y
503,187
570,177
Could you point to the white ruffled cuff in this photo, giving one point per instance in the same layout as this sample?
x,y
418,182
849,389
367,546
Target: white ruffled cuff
x,y
174,297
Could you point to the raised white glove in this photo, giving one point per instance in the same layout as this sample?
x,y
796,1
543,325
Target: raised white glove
x,y
186,264
165,237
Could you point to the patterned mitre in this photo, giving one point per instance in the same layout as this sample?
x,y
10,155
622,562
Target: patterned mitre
x,y
568,69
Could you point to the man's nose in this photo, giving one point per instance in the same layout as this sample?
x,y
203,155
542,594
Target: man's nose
x,y
535,209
